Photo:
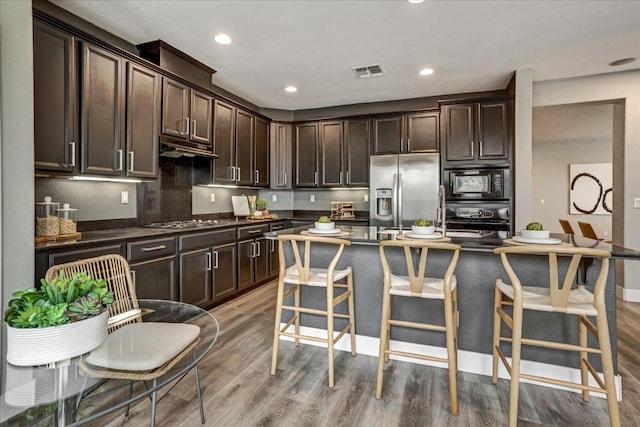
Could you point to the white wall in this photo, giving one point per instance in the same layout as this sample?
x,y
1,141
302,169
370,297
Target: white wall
x,y
564,135
607,87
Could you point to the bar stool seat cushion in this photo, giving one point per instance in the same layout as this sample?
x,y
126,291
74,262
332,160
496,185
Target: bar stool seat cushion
x,y
143,346
432,288
535,298
317,276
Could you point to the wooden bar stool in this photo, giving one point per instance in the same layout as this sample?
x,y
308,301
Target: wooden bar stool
x,y
566,226
302,274
421,286
553,296
587,230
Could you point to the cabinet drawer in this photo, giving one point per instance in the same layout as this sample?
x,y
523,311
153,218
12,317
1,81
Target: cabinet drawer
x,y
274,226
147,249
203,240
252,231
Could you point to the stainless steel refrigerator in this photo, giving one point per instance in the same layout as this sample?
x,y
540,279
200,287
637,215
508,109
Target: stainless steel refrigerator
x,y
403,188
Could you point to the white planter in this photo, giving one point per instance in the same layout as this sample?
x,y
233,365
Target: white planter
x,y
423,230
40,346
324,225
535,234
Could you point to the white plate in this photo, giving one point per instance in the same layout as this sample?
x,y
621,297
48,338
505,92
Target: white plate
x,y
321,231
424,236
549,241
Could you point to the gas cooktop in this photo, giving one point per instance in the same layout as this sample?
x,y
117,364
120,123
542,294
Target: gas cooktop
x,y
192,223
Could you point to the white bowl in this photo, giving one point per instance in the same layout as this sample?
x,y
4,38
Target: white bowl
x,y
423,230
324,225
535,234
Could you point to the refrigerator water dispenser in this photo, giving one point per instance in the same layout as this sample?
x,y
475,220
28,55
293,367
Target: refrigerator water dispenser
x,y
384,199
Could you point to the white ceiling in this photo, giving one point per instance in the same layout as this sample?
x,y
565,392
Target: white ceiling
x,y
312,44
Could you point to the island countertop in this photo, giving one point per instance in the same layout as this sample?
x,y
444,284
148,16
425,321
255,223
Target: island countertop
x,y
484,241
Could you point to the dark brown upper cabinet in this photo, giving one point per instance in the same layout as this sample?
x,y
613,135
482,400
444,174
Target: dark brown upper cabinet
x,y
55,94
344,153
102,111
306,154
241,142
478,131
186,114
143,116
281,153
261,163
407,133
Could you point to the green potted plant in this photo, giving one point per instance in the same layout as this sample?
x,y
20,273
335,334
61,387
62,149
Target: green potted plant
x,y
63,319
422,226
324,223
534,230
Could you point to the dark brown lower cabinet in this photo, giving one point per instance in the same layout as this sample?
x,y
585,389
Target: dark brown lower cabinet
x,y
274,260
46,259
156,279
207,266
253,256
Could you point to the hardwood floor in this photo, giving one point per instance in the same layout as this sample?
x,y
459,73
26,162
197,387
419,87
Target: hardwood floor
x,y
239,391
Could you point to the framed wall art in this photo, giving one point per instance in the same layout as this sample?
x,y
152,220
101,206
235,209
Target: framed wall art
x,y
591,189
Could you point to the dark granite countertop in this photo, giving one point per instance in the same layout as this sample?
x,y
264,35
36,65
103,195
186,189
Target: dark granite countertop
x,y
470,241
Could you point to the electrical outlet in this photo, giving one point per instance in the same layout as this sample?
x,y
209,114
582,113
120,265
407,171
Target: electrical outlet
x,y
542,201
124,197
366,198
312,198
636,202
605,233
274,198
213,197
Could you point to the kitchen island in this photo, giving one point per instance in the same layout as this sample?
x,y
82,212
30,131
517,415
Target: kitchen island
x,y
477,270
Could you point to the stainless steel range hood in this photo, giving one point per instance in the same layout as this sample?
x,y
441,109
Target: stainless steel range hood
x,y
174,149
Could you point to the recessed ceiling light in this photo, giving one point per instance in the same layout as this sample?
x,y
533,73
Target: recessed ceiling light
x,y
426,72
416,1
291,89
222,38
621,62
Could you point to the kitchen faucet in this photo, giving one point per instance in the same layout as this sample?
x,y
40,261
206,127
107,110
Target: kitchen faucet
x,y
441,212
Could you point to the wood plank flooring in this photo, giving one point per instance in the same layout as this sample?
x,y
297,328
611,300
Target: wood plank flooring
x,y
239,391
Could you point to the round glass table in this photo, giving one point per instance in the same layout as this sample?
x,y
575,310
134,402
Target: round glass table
x,y
61,395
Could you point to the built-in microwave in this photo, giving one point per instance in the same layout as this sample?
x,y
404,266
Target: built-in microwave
x,y
480,183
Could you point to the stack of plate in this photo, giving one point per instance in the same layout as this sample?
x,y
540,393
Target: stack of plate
x,y
328,231
532,241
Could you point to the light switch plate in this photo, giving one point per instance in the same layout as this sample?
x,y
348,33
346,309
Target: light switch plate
x,y
213,197
312,198
124,197
274,198
636,202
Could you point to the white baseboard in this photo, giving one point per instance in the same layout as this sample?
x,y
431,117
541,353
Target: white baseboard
x,y
630,295
475,363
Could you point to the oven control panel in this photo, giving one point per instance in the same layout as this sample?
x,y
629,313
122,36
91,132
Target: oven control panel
x,y
474,213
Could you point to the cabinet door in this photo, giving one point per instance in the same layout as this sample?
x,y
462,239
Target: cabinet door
x,y
224,267
261,161
175,108
387,135
306,155
494,131
156,279
331,154
357,153
423,133
143,113
195,277
224,143
54,108
244,148
280,155
459,131
103,93
200,128
263,269
274,257
246,263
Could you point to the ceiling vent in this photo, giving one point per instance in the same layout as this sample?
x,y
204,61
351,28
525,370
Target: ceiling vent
x,y
366,71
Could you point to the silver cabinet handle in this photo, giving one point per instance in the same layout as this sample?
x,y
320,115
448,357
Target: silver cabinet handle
x,y
258,248
273,245
256,175
471,148
233,174
215,258
315,178
341,177
237,174
285,178
154,248
120,159
253,250
72,155
480,149
193,130
253,231
208,261
131,154
401,145
348,178
133,276
186,121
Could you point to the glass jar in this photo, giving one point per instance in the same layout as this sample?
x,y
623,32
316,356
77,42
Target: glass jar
x,y
67,219
47,219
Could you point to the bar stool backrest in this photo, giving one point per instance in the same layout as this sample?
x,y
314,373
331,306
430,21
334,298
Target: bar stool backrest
x,y
559,294
416,280
303,265
587,230
566,226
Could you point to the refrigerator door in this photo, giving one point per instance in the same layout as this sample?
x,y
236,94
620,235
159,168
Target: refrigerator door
x,y
420,178
382,170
